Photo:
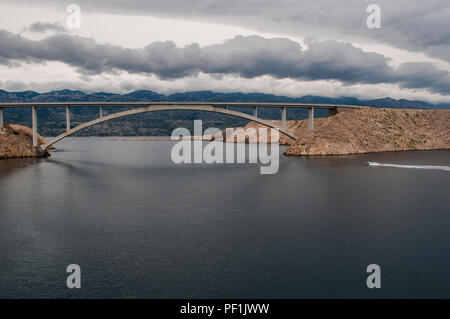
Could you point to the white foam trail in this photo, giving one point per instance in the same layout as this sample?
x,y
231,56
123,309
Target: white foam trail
x,y
443,168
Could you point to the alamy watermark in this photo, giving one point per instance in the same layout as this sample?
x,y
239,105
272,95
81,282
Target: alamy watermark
x,y
74,279
374,19
374,279
74,19
193,149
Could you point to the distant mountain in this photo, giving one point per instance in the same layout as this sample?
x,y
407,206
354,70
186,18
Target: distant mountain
x,y
51,121
204,96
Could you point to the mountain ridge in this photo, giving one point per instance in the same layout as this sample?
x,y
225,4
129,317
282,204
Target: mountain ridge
x,y
205,96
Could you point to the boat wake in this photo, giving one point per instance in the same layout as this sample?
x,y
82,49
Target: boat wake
x,y
442,168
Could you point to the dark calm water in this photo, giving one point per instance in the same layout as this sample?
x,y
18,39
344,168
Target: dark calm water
x,y
140,226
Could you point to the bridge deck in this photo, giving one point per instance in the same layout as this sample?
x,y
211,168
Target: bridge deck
x,y
146,104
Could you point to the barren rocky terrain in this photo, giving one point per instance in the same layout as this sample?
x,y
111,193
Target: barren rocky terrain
x,y
369,130
17,141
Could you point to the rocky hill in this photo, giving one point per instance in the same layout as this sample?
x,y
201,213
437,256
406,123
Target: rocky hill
x,y
369,130
17,141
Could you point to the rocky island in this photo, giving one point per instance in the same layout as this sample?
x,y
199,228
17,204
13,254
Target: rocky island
x,y
368,130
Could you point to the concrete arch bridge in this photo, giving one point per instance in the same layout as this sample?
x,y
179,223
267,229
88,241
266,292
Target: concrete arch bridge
x,y
144,107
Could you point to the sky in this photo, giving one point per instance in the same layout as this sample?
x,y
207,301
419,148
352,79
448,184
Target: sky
x,y
285,47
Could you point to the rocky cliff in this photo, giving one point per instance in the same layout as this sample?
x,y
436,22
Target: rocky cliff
x,y
368,130
17,141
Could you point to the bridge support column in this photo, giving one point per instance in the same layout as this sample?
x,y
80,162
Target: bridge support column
x,y
283,118
311,119
34,123
255,111
67,118
101,111
1,118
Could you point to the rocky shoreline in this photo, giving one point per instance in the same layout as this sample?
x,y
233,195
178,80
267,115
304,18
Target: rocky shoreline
x,y
16,141
367,130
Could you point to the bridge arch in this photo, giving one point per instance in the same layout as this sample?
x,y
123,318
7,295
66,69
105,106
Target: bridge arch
x,y
205,108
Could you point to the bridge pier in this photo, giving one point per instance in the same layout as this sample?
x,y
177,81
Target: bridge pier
x,y
1,118
101,111
311,119
34,124
255,111
67,118
283,118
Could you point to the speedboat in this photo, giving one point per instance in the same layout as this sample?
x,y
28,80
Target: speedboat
x,y
370,163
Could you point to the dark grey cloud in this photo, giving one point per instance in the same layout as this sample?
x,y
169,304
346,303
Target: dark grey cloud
x,y
418,74
42,27
414,25
247,56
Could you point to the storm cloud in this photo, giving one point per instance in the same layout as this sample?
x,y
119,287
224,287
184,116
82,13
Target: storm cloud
x,y
414,25
246,56
42,27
